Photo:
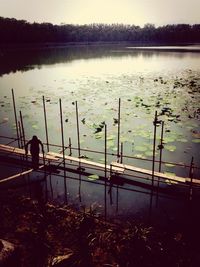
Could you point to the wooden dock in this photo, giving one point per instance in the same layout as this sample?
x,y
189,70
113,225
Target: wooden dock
x,y
159,175
9,150
114,167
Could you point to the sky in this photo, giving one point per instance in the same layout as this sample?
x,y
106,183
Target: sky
x,y
137,12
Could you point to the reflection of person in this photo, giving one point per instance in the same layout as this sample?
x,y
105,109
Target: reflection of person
x,y
34,149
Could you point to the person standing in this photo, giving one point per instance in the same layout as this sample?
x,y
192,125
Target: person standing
x,y
35,144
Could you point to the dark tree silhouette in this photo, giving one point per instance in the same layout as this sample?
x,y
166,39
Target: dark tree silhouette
x,y
20,31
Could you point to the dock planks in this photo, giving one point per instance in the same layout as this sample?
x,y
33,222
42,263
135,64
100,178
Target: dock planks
x,y
115,167
156,174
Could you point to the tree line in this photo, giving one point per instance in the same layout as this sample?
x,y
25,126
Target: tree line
x,y
20,31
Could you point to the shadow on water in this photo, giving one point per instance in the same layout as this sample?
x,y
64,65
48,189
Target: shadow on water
x,y
125,201
21,59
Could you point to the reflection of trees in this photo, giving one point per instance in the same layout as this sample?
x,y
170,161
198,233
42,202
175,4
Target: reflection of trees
x,y
45,35
26,59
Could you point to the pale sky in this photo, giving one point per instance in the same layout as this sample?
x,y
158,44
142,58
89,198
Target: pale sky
x,y
138,12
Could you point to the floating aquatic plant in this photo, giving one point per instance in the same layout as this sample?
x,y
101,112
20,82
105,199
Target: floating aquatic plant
x,y
93,177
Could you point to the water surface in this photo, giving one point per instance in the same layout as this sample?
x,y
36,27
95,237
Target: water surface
x,y
96,77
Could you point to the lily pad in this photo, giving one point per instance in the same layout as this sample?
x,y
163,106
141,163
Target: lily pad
x,y
110,144
148,153
183,140
170,148
139,156
170,165
34,126
111,137
197,141
141,148
93,177
98,136
169,139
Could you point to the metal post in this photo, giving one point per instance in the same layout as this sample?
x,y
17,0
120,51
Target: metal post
x,y
105,196
154,148
45,120
15,114
63,145
118,137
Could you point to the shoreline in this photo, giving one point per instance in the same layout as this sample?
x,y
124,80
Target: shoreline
x,y
79,239
149,46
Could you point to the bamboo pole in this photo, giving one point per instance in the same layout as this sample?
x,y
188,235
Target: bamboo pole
x,y
15,115
154,148
161,146
118,135
105,170
20,135
63,146
117,195
121,153
79,149
191,176
117,187
160,158
22,126
78,133
45,121
70,147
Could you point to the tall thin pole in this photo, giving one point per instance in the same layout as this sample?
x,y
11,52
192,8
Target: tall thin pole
x,y
15,114
118,137
22,126
121,153
45,121
79,150
63,145
20,134
191,176
161,146
154,148
70,146
117,194
78,133
20,142
105,195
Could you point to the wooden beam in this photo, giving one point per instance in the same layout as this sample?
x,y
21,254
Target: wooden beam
x,y
149,172
87,162
19,151
18,175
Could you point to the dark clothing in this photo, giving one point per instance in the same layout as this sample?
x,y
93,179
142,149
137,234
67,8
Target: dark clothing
x,y
35,150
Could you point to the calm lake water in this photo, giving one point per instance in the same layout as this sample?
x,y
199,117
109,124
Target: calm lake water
x,y
96,77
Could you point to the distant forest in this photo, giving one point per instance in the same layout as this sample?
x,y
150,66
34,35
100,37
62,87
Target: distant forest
x,y
20,31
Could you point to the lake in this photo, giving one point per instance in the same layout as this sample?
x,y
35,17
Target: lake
x,y
96,77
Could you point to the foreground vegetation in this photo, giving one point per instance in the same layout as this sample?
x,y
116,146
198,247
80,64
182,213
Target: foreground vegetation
x,y
20,31
50,235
